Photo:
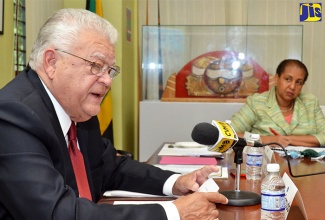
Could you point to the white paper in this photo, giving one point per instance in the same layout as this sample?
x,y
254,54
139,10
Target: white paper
x,y
209,186
301,148
122,193
139,202
188,145
297,148
184,169
268,152
267,158
290,192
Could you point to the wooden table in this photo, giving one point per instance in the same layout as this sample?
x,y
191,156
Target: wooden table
x,y
311,188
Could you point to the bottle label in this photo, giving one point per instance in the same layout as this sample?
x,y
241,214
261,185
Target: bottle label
x,y
254,160
272,201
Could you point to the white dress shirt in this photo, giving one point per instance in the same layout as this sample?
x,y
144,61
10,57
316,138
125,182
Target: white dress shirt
x,y
65,122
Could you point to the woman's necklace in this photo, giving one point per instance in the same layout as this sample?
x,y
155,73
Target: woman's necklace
x,y
289,109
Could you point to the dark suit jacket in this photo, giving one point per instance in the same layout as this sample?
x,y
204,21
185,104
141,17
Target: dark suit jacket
x,y
36,175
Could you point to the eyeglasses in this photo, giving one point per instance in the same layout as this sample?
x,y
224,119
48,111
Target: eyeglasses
x,y
98,67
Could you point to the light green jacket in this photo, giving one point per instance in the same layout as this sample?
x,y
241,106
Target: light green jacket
x,y
261,112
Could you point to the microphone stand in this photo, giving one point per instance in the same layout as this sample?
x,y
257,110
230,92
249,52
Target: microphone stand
x,y
238,197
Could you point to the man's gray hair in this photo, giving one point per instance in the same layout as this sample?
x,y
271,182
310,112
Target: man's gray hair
x,y
63,29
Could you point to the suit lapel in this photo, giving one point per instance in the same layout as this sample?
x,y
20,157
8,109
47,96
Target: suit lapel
x,y
298,112
275,113
59,150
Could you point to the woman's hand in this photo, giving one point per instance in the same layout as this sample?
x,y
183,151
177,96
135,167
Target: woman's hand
x,y
283,140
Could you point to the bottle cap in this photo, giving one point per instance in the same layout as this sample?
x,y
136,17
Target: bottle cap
x,y
273,167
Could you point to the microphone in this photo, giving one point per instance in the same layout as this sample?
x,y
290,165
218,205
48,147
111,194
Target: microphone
x,y
219,136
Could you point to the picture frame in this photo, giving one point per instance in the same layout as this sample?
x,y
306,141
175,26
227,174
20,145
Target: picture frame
x,y
1,16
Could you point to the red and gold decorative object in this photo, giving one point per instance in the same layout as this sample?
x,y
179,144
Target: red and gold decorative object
x,y
220,74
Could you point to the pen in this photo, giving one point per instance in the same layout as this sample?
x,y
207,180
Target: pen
x,y
273,131
182,146
215,156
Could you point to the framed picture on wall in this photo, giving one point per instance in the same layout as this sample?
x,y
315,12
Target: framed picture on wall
x,y
1,15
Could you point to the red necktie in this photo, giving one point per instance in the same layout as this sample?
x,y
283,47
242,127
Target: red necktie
x,y
78,163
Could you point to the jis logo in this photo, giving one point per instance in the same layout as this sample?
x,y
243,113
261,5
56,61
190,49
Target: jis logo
x,y
310,12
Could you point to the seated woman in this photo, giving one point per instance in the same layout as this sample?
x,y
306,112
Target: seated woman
x,y
284,114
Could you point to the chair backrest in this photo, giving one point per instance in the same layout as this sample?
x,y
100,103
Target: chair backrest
x,y
124,153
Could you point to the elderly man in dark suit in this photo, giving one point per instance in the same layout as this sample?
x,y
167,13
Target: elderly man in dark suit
x,y
71,68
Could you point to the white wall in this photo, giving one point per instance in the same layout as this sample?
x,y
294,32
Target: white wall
x,y
37,13
174,121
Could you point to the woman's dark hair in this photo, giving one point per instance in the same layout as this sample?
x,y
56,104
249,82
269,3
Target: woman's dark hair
x,y
291,62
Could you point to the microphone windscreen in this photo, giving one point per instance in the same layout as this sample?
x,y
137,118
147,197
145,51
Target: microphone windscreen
x,y
205,133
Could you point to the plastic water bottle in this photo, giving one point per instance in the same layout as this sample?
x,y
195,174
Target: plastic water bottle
x,y
273,194
254,160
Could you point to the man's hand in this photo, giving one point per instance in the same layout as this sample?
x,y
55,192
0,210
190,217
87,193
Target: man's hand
x,y
199,205
191,182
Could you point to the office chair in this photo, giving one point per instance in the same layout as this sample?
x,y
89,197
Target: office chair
x,y
124,153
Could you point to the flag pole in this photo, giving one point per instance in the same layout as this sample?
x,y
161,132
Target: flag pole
x,y
146,83
160,73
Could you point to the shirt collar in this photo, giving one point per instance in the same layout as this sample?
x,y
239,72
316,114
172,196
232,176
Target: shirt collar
x,y
63,117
